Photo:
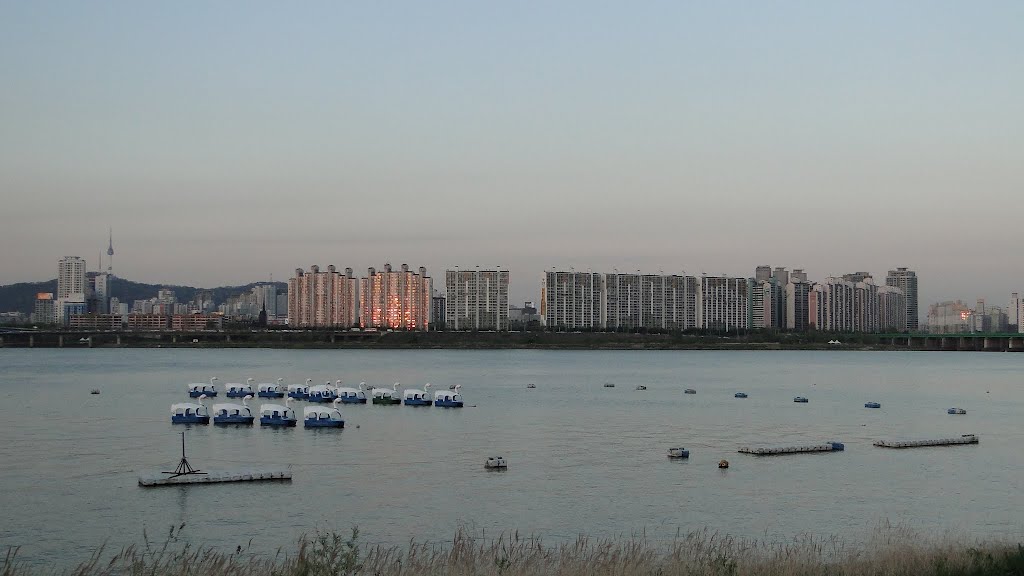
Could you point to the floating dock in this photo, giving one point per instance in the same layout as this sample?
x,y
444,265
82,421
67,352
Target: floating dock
x,y
242,475
964,439
772,451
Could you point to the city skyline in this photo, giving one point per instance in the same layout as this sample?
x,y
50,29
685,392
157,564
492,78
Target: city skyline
x,y
536,279
678,137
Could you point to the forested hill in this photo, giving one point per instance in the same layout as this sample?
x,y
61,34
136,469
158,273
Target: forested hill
x,y
21,297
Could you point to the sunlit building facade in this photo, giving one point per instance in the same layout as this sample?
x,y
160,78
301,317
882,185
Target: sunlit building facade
x,y
949,317
323,299
397,300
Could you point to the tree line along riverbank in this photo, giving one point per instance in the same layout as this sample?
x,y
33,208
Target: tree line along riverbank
x,y
298,339
453,340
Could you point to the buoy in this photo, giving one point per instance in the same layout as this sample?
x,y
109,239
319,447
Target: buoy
x,y
723,463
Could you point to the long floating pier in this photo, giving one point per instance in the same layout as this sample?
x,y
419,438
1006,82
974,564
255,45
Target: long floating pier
x,y
772,451
241,475
964,439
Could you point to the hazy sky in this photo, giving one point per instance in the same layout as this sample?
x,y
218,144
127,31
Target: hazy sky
x,y
228,141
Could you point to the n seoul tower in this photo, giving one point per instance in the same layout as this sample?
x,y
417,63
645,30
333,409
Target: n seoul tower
x,y
110,253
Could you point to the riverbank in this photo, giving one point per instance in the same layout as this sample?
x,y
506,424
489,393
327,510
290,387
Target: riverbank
x,y
327,339
890,551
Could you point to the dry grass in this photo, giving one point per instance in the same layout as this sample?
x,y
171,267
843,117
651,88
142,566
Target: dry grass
x,y
892,551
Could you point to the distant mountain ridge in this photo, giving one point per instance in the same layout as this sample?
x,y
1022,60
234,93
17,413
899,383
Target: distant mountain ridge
x,y
21,297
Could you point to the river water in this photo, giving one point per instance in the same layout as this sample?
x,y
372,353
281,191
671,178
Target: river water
x,y
583,458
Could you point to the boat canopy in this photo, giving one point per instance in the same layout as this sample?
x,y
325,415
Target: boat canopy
x,y
282,411
184,408
321,389
298,388
352,393
416,394
232,409
447,395
321,413
199,387
383,393
235,387
269,387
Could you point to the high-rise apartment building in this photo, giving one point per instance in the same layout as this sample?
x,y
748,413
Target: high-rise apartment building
x,y
1013,313
949,317
71,287
438,311
854,303
97,291
652,301
265,298
399,300
769,297
571,300
679,294
587,300
856,276
865,305
762,273
623,302
892,309
759,294
797,292
906,280
70,277
725,303
830,305
322,299
1020,316
476,300
44,311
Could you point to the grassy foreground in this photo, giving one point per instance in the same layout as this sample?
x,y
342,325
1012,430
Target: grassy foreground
x,y
891,551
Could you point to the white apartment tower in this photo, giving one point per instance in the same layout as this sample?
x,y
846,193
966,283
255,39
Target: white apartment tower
x,y
70,277
725,303
585,300
830,305
892,309
906,280
476,300
571,300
